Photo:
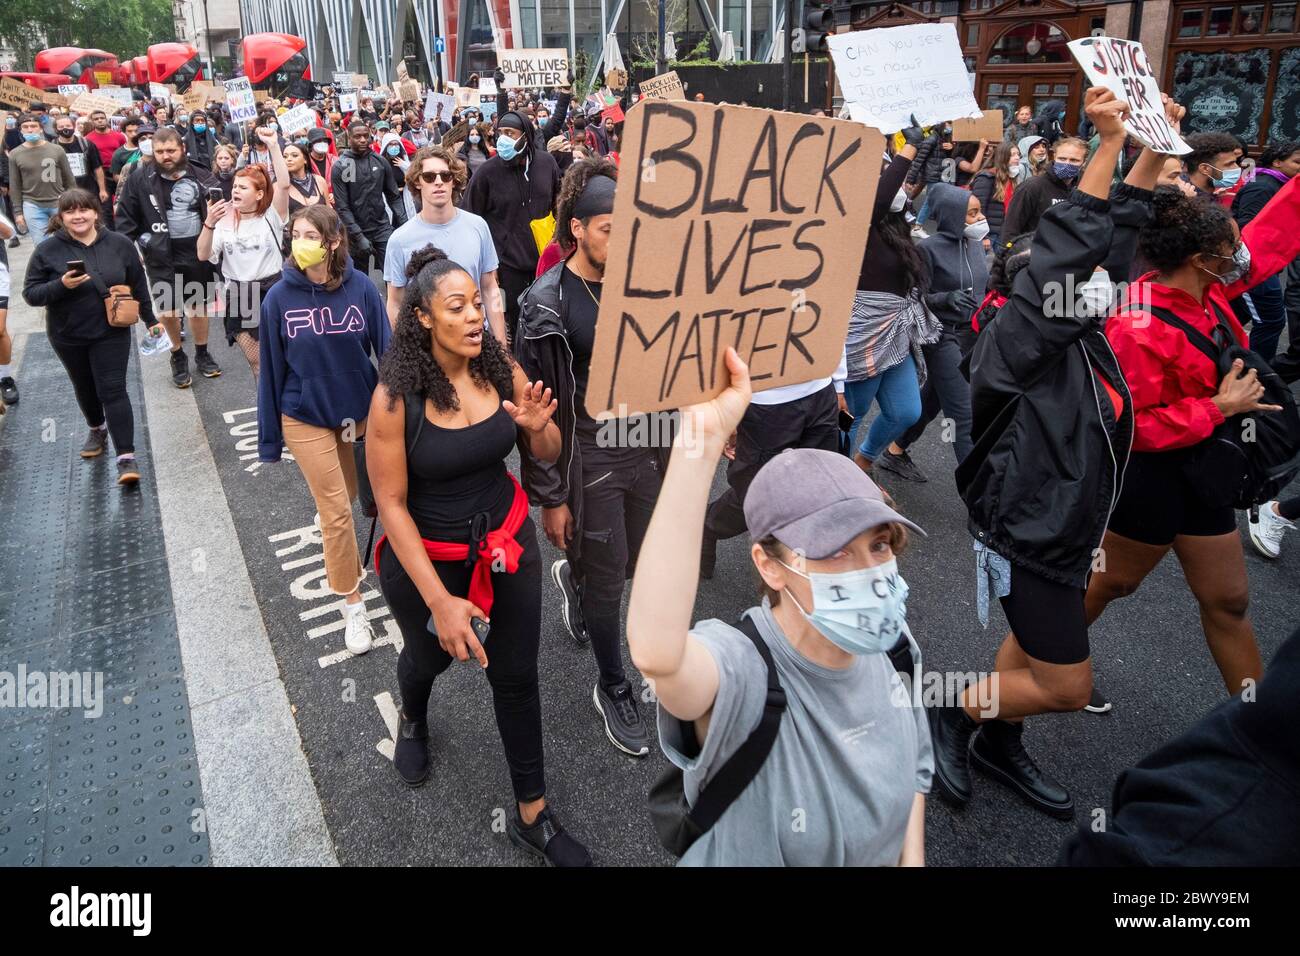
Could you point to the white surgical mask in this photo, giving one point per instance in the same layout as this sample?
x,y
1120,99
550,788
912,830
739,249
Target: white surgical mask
x,y
1014,169
146,147
863,611
898,202
320,149
977,230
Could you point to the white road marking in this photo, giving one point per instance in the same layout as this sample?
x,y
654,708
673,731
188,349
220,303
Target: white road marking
x,y
388,711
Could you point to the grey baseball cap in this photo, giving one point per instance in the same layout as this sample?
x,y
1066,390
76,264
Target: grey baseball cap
x,y
815,502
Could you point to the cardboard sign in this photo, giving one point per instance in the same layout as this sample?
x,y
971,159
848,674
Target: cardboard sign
x,y
240,100
896,72
402,72
738,226
56,99
665,86
408,91
299,118
14,93
261,96
434,100
525,69
193,99
103,77
466,96
87,103
347,102
360,81
1123,68
989,127
73,89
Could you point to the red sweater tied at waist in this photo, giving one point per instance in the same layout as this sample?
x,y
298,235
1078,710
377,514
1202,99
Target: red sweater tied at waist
x,y
498,545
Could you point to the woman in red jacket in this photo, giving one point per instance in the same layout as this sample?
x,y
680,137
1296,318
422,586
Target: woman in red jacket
x,y
1201,261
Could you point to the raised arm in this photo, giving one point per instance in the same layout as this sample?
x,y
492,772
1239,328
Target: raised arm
x,y
280,184
532,409
679,667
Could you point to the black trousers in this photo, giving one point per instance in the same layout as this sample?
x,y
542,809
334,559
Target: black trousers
x,y
766,431
1287,364
98,372
616,507
511,650
375,260
947,389
513,283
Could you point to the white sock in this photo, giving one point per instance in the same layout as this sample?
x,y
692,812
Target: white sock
x,y
6,371
358,608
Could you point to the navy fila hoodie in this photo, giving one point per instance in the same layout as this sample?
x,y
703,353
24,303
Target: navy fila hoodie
x,y
316,353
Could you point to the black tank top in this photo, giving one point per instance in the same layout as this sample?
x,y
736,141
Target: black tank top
x,y
455,475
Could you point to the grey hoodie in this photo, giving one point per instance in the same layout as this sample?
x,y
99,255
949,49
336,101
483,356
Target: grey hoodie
x,y
955,262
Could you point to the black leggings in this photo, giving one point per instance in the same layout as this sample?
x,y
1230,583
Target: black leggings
x,y
98,372
1048,618
1289,508
511,649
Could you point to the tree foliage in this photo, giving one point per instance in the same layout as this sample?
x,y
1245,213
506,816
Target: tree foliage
x,y
123,27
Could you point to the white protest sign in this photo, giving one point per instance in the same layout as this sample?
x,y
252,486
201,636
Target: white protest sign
x,y
343,81
897,72
299,118
525,69
1123,68
432,102
158,91
240,99
73,90
120,94
487,86
348,102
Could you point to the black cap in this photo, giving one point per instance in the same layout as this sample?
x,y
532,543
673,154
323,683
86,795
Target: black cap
x,y
316,135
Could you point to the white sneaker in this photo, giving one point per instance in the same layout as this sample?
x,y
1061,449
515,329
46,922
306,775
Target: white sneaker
x,y
359,635
919,233
1266,533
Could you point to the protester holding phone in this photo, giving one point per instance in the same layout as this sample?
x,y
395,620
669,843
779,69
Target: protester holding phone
x,y
243,238
94,353
459,543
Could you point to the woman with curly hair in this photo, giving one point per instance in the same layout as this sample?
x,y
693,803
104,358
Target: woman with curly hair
x,y
1201,261
459,558
320,326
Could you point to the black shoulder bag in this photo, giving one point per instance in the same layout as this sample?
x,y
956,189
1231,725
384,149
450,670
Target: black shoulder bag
x,y
1249,458
366,494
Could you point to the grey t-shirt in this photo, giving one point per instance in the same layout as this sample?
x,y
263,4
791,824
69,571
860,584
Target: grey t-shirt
x,y
837,789
466,240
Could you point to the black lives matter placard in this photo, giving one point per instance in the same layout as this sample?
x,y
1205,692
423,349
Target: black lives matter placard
x,y
529,69
732,226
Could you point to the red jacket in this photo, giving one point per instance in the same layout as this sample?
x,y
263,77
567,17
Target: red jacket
x,y
1171,381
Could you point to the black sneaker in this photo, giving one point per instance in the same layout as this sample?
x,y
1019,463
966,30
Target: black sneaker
x,y
623,724
14,243
181,369
411,755
571,601
206,364
547,839
128,471
950,733
1097,703
900,465
998,751
9,390
95,442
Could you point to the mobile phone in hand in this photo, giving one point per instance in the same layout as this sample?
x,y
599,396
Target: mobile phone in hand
x,y
846,421
481,628
77,267
215,194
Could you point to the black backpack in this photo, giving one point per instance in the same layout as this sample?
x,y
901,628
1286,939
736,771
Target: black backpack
x,y
1252,456
677,823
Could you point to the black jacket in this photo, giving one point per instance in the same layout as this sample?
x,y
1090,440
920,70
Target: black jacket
x,y
510,196
141,214
1224,793
543,352
1049,454
554,124
200,149
365,189
1253,197
953,262
927,167
78,314
1048,121
1032,198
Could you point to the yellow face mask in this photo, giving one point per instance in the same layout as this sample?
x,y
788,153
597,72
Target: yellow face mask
x,y
307,252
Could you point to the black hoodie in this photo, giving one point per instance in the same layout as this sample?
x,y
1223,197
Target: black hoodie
x,y
511,195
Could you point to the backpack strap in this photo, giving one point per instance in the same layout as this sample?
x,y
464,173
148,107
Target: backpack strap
x,y
737,773
1198,339
414,419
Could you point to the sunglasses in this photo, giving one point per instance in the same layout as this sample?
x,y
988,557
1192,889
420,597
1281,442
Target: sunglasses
x,y
443,176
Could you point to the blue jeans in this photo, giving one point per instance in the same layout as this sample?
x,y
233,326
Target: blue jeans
x,y
38,217
899,395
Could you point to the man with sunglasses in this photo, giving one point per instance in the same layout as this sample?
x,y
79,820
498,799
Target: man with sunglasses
x,y
435,180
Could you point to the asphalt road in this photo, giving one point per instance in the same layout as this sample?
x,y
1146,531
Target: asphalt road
x,y
1149,653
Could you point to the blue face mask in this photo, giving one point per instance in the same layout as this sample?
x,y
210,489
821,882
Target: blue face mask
x,y
394,150
1066,172
200,127
1060,117
1229,177
32,137
506,148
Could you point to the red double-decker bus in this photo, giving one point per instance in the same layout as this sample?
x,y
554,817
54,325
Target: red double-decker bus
x,y
78,63
177,63
276,62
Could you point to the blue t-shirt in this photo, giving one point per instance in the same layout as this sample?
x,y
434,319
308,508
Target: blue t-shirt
x,y
465,239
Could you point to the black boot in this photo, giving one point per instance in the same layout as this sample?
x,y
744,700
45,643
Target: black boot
x,y
999,752
950,733
411,755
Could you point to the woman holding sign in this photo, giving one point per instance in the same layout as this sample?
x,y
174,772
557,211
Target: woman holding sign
x,y
1052,420
459,563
